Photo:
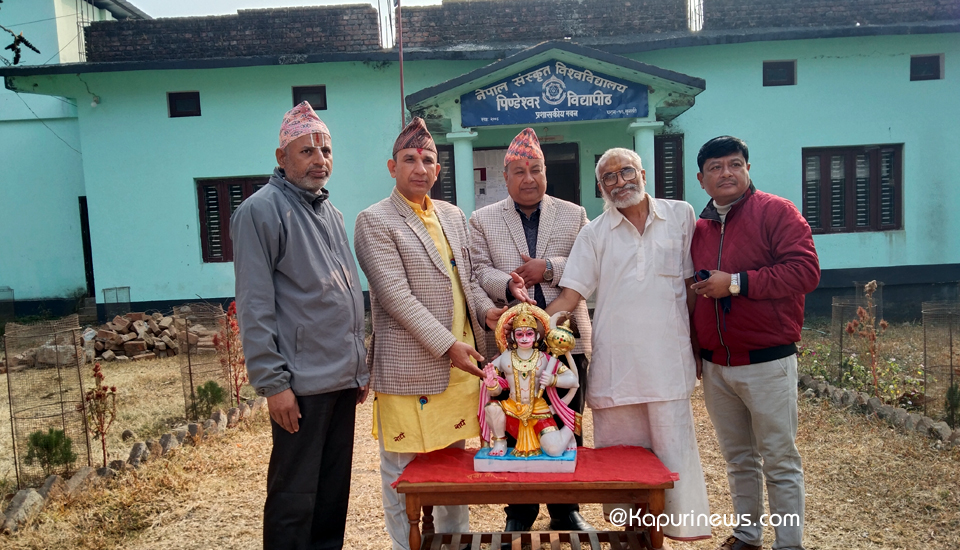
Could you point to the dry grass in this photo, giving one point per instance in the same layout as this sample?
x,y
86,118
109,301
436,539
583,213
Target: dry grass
x,y
867,485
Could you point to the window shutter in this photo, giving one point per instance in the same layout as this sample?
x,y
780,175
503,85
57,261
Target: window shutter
x,y
888,206
446,187
862,191
668,152
811,192
214,238
838,183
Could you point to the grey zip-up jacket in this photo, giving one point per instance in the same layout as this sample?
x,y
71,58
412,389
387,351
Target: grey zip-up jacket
x,y
299,302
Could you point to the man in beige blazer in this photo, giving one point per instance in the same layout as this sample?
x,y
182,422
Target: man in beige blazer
x,y
530,234
429,319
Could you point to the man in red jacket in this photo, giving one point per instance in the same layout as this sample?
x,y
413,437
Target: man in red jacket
x,y
759,253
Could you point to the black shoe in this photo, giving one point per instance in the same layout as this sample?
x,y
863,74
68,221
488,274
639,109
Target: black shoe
x,y
571,522
514,525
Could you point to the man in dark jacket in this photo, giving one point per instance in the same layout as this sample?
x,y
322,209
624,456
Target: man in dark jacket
x,y
759,252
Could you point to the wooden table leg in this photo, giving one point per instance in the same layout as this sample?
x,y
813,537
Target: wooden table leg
x,y
413,516
655,506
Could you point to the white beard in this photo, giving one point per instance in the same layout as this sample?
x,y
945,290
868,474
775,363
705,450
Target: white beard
x,y
625,200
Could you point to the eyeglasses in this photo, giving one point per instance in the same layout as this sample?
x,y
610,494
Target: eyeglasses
x,y
610,178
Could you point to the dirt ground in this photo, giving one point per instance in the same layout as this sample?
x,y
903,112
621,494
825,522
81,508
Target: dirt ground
x,y
867,487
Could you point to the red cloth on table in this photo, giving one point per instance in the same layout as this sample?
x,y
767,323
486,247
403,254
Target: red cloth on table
x,y
621,463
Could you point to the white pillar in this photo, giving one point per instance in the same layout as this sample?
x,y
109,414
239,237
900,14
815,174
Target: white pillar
x,y
643,132
463,159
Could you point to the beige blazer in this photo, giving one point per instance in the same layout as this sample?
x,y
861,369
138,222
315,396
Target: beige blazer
x,y
411,295
497,240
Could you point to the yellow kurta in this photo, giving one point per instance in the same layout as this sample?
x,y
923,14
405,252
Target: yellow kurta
x,y
429,422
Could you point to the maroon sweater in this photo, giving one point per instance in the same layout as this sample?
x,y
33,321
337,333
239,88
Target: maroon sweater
x,y
768,242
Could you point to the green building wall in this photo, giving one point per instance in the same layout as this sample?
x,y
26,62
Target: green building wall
x,y
141,167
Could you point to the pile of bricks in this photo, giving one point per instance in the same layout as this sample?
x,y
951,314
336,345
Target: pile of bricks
x,y
139,336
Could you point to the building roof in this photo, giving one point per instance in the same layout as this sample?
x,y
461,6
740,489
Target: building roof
x,y
121,9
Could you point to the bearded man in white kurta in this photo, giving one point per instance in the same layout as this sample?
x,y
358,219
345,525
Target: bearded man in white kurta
x,y
636,258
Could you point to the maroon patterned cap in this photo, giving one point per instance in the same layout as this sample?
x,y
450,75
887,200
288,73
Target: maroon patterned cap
x,y
414,136
524,146
300,121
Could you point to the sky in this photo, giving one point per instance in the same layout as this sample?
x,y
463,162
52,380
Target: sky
x,y
187,8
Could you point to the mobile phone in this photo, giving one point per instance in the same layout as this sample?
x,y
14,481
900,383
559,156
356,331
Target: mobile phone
x,y
701,275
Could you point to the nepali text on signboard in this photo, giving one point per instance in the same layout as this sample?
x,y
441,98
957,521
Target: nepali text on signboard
x,y
553,92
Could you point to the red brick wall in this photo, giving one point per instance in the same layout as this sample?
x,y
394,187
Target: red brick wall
x,y
739,14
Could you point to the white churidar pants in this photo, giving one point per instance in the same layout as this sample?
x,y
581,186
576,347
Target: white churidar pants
x,y
446,519
666,428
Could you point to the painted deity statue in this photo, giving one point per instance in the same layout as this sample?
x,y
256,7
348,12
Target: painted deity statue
x,y
513,399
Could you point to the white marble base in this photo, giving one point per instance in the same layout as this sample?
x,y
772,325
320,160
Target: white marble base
x,y
563,464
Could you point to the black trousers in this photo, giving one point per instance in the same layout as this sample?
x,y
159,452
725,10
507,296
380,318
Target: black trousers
x,y
527,513
308,481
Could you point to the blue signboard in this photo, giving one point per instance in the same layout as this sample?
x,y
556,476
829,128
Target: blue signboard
x,y
553,92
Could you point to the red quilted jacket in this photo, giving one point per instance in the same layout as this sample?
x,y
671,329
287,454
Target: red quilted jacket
x,y
768,242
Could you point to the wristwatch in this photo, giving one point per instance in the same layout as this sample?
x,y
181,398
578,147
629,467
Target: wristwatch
x,y
548,272
735,284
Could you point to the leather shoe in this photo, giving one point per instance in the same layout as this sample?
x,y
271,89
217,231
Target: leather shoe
x,y
514,525
733,543
571,522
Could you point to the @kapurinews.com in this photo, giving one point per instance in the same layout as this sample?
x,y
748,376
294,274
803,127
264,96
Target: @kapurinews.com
x,y
635,518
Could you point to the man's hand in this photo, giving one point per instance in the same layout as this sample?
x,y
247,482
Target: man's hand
x,y
493,315
519,290
717,286
362,393
532,270
460,354
284,410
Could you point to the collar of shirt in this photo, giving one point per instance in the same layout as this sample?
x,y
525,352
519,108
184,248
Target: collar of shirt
x,y
655,212
309,198
419,210
535,215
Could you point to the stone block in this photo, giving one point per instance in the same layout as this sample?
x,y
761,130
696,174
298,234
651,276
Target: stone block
x,y
941,430
105,335
168,442
210,428
899,417
106,473
165,323
127,435
136,454
135,347
53,487
122,358
139,327
195,431
160,346
245,411
53,355
25,506
134,316
874,405
128,337
220,418
153,326
156,451
80,479
233,417
910,422
806,381
180,433
144,356
924,425
848,398
121,324
108,356
118,465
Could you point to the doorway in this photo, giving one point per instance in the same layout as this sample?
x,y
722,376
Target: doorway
x,y
563,170
87,248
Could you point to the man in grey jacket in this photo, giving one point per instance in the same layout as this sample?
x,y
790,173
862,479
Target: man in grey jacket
x,y
300,309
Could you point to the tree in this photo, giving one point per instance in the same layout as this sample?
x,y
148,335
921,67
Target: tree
x,y
15,46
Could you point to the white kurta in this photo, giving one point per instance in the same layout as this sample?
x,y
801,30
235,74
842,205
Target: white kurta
x,y
641,327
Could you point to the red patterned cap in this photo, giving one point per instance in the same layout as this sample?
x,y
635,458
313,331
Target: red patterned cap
x,y
300,121
415,136
524,146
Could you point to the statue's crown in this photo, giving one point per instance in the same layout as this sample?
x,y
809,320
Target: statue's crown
x,y
525,319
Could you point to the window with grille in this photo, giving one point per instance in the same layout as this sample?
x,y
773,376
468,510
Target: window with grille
x,y
926,67
668,154
217,199
316,96
848,189
780,73
182,104
445,188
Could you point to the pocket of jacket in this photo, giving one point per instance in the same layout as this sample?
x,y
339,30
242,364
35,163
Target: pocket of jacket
x,y
669,259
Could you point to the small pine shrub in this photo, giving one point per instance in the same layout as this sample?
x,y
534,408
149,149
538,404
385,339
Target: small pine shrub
x,y
51,450
208,396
